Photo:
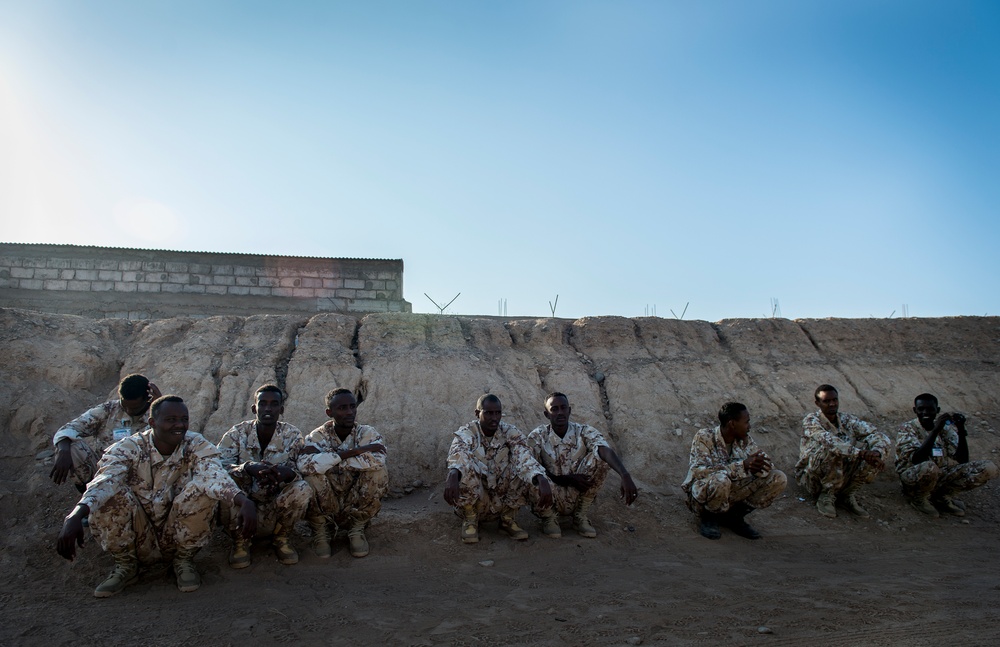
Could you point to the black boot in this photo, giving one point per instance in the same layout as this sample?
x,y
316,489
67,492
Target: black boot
x,y
734,521
708,525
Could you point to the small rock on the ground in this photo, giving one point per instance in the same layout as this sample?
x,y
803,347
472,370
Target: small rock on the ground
x,y
634,640
764,630
486,562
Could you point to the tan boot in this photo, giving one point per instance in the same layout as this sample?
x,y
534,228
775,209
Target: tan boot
x,y
187,575
470,525
239,556
550,524
321,536
850,501
949,505
282,545
825,504
124,573
923,504
509,525
357,540
580,520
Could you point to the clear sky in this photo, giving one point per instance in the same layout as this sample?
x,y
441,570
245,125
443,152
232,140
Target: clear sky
x,y
841,156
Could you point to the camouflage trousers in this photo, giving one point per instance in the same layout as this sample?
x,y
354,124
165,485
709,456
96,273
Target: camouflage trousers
x,y
717,493
564,498
348,497
490,494
84,461
284,505
928,479
828,471
122,524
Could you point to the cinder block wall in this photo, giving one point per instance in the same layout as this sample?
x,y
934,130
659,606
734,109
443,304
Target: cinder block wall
x,y
142,284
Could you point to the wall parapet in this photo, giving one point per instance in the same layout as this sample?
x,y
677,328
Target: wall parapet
x,y
152,284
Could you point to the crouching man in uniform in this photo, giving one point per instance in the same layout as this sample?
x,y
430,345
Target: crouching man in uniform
x,y
154,496
729,476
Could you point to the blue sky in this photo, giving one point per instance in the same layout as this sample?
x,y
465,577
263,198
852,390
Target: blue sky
x,y
840,156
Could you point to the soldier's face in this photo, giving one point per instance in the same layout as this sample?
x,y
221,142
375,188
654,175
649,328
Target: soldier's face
x,y
136,406
927,411
557,410
343,410
489,417
269,407
170,424
828,402
741,426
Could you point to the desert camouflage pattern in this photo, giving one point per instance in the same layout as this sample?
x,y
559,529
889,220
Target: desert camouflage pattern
x,y
574,453
347,493
104,425
283,503
156,503
717,479
496,472
938,476
828,456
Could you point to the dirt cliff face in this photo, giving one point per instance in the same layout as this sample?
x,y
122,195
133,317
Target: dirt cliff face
x,y
649,383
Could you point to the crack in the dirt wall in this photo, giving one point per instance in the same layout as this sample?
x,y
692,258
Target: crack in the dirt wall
x,y
735,358
637,331
362,391
291,345
836,366
595,372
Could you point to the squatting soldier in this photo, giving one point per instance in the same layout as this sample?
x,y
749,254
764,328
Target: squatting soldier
x,y
576,459
155,495
344,463
838,453
932,459
729,476
106,423
260,455
489,471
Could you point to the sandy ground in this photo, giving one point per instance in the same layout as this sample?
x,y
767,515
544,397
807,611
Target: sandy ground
x,y
897,579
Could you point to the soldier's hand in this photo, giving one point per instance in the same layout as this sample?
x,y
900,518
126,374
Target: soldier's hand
x,y
756,463
247,518
544,492
70,536
581,482
374,448
284,474
153,392
261,472
959,420
451,487
309,449
629,491
62,467
940,422
873,458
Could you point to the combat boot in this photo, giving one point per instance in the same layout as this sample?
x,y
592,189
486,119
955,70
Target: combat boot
x,y
923,504
357,540
825,504
282,545
187,575
239,556
950,506
124,573
580,520
509,525
321,536
736,522
708,525
470,525
849,498
550,524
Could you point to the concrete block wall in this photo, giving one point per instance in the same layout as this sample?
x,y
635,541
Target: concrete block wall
x,y
140,284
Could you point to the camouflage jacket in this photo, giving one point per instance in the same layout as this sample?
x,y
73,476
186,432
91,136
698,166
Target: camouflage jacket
x,y
240,446
709,454
107,423
911,436
819,434
326,440
562,455
491,457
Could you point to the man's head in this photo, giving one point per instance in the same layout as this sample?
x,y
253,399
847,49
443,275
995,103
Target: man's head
x,y
489,411
827,399
557,410
269,404
134,393
168,416
342,406
734,420
926,407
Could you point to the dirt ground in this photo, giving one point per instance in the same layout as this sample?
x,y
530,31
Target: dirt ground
x,y
897,579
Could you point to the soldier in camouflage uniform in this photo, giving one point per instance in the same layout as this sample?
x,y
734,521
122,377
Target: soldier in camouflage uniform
x,y
932,459
155,494
344,463
106,423
576,459
490,469
838,453
260,456
729,476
